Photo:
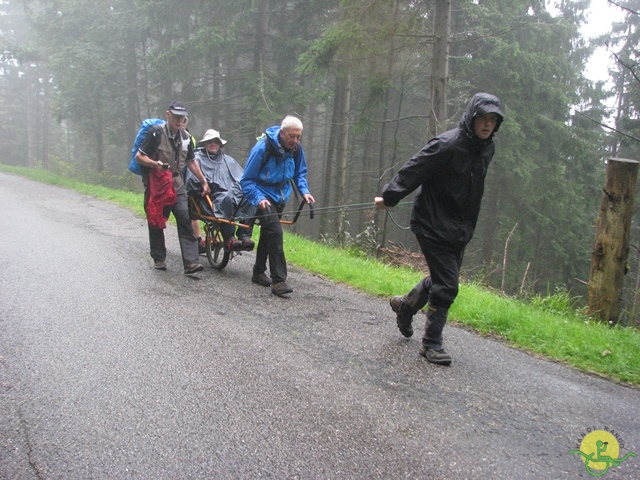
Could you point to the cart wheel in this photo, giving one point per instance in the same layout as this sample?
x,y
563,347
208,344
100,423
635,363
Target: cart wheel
x,y
216,254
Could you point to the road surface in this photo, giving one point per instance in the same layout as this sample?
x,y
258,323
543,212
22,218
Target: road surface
x,y
110,369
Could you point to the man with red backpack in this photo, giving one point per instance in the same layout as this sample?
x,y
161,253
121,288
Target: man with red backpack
x,y
168,147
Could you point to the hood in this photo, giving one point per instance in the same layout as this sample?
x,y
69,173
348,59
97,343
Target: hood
x,y
203,152
273,138
481,104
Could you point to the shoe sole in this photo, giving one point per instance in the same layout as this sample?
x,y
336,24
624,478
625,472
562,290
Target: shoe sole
x,y
444,362
194,270
281,294
405,333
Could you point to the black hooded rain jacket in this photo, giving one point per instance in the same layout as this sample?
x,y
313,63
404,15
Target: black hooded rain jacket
x,y
449,174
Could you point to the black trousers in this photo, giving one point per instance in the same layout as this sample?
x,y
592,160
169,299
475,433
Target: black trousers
x,y
229,231
270,244
440,288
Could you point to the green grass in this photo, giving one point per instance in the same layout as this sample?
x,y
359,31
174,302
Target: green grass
x,y
559,334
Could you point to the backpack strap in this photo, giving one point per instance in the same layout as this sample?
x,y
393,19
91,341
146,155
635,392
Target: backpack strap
x,y
271,152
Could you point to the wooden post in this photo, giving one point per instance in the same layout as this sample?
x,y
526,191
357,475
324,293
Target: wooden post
x,y
609,256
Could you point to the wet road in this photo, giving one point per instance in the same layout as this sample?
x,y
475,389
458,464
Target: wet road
x,y
110,369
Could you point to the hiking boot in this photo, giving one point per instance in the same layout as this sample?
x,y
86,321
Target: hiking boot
x,y
403,318
439,357
190,268
160,265
247,244
233,245
202,246
281,288
261,279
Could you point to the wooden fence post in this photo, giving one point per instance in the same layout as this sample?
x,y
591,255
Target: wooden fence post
x,y
609,256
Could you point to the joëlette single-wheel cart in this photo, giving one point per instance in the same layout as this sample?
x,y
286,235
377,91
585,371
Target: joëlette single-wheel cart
x,y
217,255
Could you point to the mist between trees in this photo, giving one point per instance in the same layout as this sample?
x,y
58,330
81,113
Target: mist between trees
x,y
79,76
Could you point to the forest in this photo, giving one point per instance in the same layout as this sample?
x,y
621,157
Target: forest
x,y
372,81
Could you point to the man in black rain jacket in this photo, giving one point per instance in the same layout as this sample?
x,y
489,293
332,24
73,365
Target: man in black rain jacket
x,y
448,174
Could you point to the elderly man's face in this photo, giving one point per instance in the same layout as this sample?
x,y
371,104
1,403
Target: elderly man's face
x,y
213,146
290,137
176,122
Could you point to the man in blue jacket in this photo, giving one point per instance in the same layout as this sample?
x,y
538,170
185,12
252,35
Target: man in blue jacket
x,y
275,159
449,174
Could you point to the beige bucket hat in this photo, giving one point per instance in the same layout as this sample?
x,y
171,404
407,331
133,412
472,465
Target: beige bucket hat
x,y
212,134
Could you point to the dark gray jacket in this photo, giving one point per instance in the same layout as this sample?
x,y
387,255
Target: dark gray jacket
x,y
223,175
449,174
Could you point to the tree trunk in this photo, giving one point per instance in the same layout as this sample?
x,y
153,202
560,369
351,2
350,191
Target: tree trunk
x,y
325,220
342,147
609,256
439,68
490,222
144,82
383,157
31,97
46,125
366,181
99,135
217,116
259,59
133,103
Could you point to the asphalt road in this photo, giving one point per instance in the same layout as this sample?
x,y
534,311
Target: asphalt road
x,y
110,369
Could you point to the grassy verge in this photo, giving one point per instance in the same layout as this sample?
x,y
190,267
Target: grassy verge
x,y
562,336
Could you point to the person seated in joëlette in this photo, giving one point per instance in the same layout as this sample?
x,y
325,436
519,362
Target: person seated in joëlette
x,y
223,174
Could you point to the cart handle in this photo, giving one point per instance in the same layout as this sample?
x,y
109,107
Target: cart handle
x,y
223,220
295,219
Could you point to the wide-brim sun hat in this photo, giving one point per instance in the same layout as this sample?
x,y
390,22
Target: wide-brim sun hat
x,y
212,134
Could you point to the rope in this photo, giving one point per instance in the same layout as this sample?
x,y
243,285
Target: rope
x,y
346,208
396,223
336,208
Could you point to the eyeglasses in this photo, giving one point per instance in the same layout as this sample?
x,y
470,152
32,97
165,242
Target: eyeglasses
x,y
180,118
